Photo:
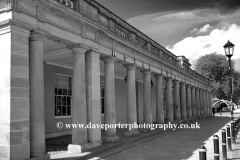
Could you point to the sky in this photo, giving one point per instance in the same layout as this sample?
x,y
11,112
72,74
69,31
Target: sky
x,y
191,28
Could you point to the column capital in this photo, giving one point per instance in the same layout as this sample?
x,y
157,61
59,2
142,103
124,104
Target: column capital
x,y
182,83
176,81
188,85
130,66
78,49
95,52
37,37
168,79
146,72
109,59
158,76
193,87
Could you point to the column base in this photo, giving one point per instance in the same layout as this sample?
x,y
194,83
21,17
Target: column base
x,y
83,147
167,121
111,139
178,122
184,120
145,130
131,133
190,119
42,157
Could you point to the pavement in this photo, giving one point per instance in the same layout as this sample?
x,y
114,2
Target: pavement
x,y
180,144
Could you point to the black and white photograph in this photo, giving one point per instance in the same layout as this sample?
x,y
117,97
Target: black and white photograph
x,y
120,80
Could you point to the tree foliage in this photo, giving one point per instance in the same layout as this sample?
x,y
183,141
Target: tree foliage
x,y
216,67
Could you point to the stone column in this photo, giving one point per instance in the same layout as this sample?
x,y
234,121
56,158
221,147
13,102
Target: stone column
x,y
189,102
208,106
204,103
79,108
131,99
37,115
147,107
207,103
109,100
177,101
169,106
201,102
197,102
183,101
210,102
159,100
93,96
193,102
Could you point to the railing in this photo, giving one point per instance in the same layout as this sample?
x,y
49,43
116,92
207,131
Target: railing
x,y
124,30
165,56
155,51
141,43
68,3
174,62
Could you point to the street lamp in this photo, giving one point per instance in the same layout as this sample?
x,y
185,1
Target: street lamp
x,y
229,49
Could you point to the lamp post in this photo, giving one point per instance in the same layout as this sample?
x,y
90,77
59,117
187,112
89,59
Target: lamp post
x,y
229,49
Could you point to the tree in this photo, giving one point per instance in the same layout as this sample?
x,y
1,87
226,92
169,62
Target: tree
x,y
216,67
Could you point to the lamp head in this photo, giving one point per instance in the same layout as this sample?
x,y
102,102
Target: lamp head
x,y
229,49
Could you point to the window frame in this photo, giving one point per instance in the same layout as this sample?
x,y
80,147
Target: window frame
x,y
62,116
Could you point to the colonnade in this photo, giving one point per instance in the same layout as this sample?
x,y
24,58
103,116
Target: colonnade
x,y
189,101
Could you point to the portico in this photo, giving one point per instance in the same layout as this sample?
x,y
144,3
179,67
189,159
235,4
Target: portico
x,y
66,61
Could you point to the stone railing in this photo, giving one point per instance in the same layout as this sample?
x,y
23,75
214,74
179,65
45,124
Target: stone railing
x,y
68,3
120,28
140,42
155,51
122,32
174,61
165,56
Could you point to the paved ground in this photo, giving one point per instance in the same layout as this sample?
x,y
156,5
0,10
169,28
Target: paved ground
x,y
168,145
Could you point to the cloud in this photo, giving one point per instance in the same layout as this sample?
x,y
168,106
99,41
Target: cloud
x,y
132,8
194,30
194,47
204,28
168,28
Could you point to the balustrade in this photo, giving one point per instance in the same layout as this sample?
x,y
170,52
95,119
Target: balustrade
x,y
68,3
174,62
165,56
155,51
141,43
122,32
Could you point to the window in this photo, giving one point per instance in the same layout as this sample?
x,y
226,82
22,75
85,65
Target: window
x,y
63,95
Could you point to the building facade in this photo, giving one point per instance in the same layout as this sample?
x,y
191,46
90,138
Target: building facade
x,y
74,61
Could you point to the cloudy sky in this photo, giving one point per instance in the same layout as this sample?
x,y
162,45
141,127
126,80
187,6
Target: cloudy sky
x,y
186,27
